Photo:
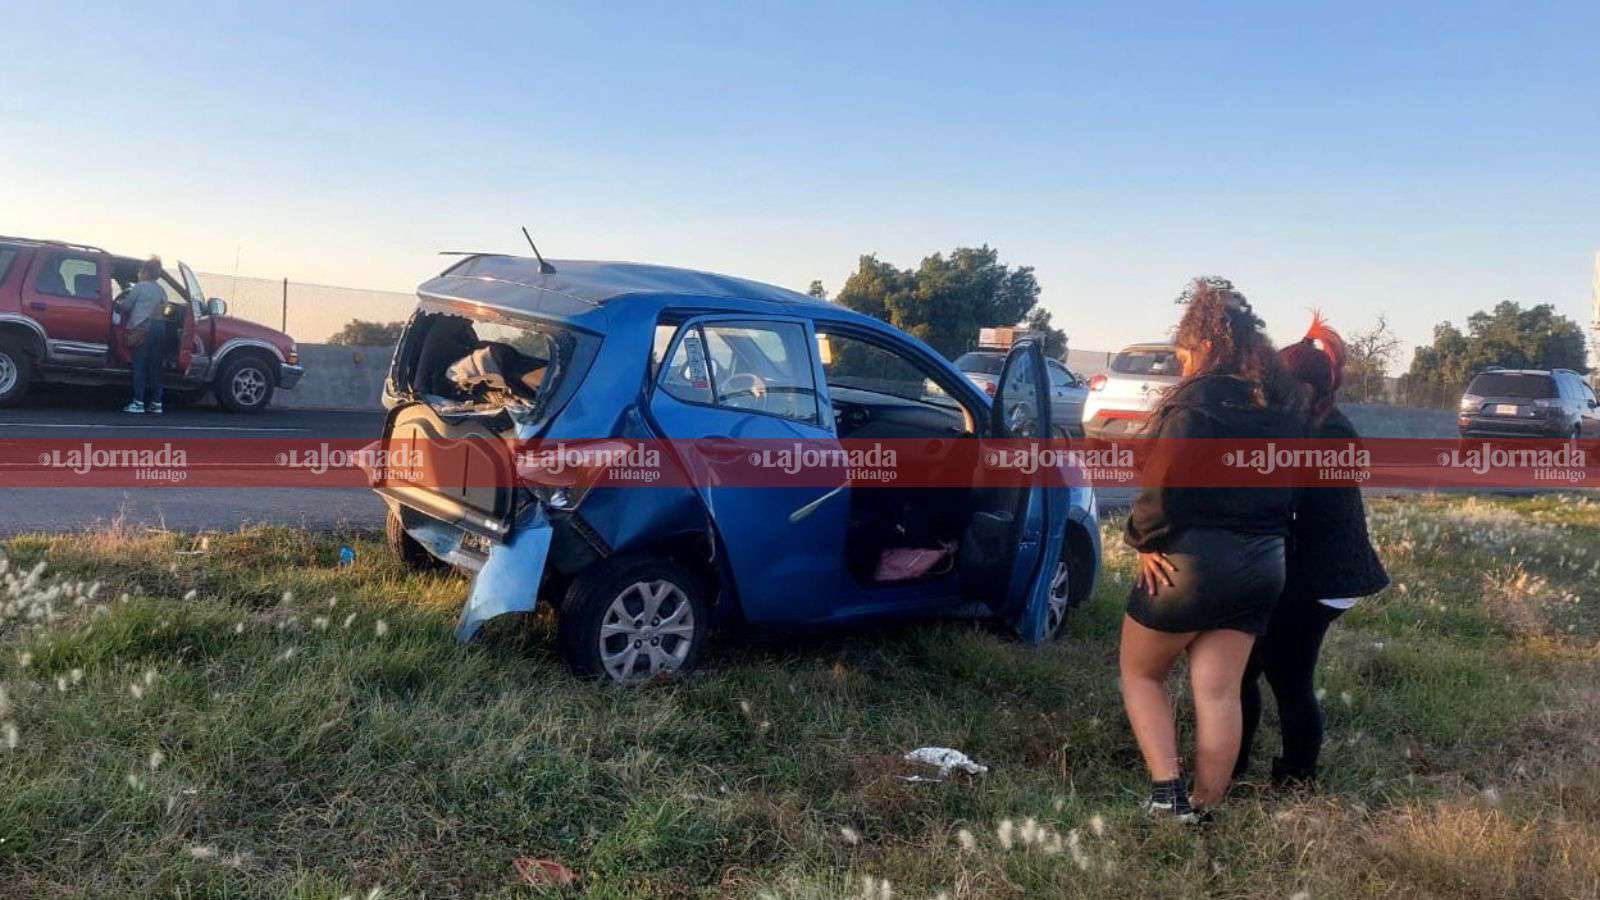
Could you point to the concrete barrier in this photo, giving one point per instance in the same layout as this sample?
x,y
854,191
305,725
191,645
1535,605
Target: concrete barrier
x,y
338,378
352,378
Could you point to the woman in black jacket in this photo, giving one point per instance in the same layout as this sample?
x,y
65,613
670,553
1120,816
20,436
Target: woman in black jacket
x,y
1211,559
1330,562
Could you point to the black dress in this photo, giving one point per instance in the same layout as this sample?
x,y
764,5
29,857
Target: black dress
x,y
1227,543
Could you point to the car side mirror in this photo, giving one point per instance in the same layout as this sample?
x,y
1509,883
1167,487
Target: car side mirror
x,y
216,306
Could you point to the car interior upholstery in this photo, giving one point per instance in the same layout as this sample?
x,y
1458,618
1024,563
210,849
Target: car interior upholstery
x,y
878,395
478,365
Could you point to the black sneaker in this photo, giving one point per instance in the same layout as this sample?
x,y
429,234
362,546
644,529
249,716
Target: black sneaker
x,y
1170,799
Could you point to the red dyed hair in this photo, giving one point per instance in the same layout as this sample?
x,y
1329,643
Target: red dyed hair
x,y
1317,361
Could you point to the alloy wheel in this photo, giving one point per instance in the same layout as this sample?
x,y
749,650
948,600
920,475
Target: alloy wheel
x,y
648,630
249,386
1060,599
8,373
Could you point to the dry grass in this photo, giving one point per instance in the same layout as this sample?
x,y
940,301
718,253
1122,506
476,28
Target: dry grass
x,y
252,720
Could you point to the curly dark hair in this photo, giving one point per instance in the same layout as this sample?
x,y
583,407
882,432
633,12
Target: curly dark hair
x,y
1224,333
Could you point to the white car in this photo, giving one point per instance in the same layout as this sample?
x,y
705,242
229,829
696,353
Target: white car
x,y
1120,400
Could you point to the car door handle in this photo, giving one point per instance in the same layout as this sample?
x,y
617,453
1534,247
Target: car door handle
x,y
798,515
38,306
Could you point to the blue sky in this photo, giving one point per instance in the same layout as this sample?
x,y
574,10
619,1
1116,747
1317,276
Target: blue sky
x,y
1423,161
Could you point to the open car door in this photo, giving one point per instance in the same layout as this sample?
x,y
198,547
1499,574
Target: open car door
x,y
1003,556
187,339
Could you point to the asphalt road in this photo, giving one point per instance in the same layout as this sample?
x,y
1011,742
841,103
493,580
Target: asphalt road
x,y
91,415
96,414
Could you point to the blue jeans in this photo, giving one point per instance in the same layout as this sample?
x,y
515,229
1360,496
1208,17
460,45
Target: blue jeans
x,y
147,363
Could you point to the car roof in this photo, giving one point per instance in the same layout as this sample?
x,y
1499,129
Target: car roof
x,y
598,282
46,242
1494,370
1150,345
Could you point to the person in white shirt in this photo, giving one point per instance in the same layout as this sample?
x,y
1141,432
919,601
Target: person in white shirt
x,y
146,328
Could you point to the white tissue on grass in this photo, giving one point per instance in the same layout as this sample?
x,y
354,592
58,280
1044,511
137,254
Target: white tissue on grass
x,y
945,760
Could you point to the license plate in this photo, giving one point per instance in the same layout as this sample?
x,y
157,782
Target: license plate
x,y
1506,409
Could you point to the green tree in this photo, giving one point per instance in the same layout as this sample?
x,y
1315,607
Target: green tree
x,y
1055,340
817,290
946,299
1508,336
359,333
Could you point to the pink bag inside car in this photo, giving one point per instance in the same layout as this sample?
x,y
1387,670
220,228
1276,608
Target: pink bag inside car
x,y
904,563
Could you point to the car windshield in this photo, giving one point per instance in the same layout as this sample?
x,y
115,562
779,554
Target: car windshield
x,y
1145,362
982,363
1513,384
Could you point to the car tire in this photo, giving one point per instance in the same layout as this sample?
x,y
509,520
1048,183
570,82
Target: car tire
x,y
411,554
245,384
657,606
1061,602
16,371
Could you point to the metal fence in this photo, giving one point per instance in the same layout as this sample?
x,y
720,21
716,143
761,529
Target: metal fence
x,y
310,313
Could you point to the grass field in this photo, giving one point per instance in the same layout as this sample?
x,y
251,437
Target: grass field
x,y
237,716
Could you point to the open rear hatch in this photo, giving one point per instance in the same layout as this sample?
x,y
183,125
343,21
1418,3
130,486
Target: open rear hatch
x,y
468,383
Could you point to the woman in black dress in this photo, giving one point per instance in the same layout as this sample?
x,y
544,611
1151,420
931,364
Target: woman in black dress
x,y
1211,559
1331,561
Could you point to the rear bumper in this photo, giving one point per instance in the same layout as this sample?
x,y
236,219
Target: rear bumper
x,y
1498,426
1104,427
289,376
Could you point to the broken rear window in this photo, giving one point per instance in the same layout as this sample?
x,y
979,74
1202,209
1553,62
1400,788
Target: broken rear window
x,y
463,365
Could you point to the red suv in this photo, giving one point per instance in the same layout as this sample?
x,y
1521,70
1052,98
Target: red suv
x,y
56,301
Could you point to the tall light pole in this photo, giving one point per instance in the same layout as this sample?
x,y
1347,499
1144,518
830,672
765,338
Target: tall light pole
x,y
1594,321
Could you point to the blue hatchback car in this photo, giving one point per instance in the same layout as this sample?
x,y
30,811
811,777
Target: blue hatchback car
x,y
505,348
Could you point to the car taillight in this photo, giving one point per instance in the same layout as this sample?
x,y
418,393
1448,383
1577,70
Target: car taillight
x,y
1097,382
1552,403
989,386
562,475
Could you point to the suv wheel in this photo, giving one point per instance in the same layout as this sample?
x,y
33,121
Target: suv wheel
x,y
16,371
245,384
631,620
